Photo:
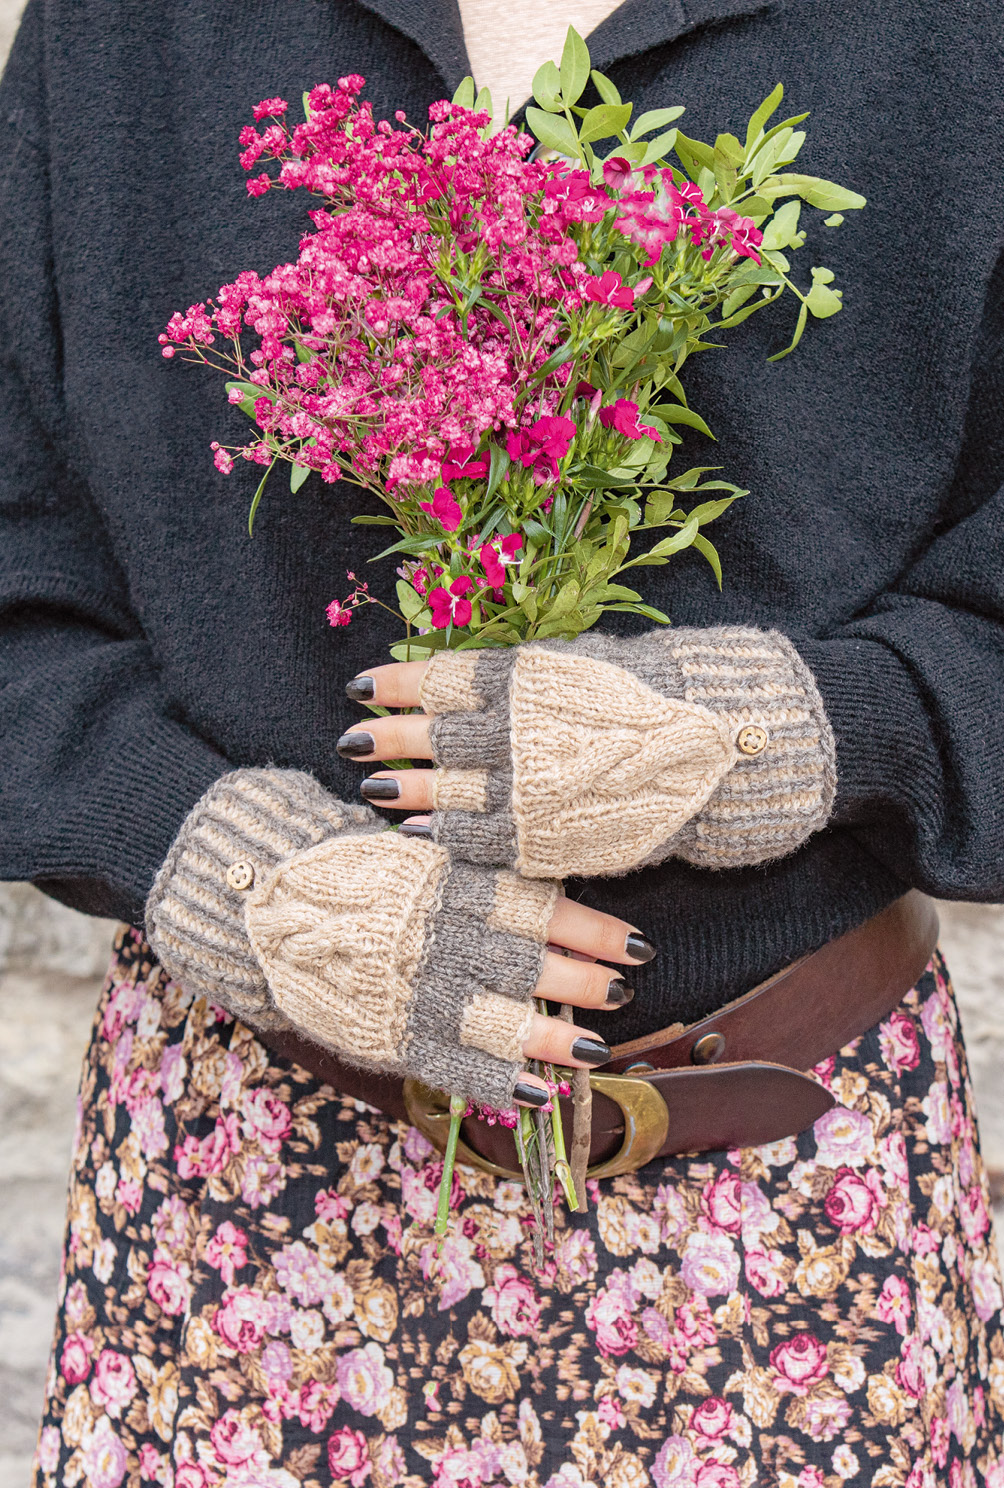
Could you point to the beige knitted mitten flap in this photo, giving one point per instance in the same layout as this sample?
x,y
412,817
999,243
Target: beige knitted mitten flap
x,y
294,910
600,755
245,824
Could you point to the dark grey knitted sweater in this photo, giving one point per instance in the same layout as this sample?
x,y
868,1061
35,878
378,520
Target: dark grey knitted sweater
x,y
147,646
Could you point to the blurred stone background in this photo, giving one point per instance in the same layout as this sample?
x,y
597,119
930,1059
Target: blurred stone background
x,y
51,965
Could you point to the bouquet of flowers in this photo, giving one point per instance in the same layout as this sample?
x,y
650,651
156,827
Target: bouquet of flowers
x,y
488,332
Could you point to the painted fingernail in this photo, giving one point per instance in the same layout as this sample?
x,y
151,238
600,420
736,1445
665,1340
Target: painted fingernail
x,y
360,690
415,829
638,948
380,790
619,993
591,1051
530,1095
351,746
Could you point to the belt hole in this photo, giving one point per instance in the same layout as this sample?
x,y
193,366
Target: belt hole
x,y
708,1049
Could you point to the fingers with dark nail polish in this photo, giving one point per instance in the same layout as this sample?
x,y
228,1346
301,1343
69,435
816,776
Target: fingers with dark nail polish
x,y
530,1095
619,993
380,790
591,1051
354,745
360,689
415,829
638,948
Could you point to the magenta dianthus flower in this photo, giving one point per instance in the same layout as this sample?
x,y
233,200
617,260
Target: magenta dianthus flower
x,y
622,417
445,507
451,606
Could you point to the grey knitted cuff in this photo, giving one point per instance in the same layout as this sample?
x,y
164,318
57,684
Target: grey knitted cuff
x,y
247,822
602,755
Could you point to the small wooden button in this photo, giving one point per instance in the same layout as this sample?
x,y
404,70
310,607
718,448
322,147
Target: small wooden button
x,y
752,739
240,875
708,1049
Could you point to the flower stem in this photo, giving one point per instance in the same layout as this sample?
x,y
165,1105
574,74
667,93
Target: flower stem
x,y
458,1110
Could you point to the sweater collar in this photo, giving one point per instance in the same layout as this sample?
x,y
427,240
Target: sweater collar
x,y
635,26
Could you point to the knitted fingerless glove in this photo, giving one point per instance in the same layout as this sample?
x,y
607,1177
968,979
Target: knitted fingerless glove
x,y
291,909
601,755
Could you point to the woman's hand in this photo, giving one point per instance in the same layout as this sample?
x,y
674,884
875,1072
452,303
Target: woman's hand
x,y
578,939
607,753
397,736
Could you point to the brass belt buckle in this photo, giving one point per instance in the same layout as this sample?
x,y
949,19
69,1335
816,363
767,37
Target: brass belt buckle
x,y
646,1124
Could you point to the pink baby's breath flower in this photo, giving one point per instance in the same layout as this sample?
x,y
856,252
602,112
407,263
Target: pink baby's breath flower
x,y
622,417
270,108
223,461
338,613
451,606
445,508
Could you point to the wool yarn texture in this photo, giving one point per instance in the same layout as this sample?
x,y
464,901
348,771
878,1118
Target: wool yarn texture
x,y
291,909
602,755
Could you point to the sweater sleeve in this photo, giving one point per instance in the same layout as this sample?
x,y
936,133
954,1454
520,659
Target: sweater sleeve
x,y
914,684
96,774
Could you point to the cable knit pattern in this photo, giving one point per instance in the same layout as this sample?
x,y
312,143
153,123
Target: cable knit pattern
x,y
195,918
601,755
294,910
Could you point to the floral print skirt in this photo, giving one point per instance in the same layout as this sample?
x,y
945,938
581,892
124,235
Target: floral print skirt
x,y
253,1297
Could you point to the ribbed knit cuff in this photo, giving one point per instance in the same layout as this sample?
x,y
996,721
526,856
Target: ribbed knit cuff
x,y
781,788
245,825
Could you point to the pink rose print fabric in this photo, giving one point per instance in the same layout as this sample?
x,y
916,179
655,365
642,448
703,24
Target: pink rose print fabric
x,y
253,1297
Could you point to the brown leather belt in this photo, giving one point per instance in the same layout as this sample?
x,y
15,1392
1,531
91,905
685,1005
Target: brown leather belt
x,y
735,1079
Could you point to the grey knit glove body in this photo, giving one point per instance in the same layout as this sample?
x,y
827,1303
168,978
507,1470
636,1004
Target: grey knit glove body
x,y
294,910
602,755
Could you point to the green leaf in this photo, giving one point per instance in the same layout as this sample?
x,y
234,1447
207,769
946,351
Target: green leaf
x,y
759,119
257,498
825,194
366,520
658,148
483,103
709,510
654,119
693,152
675,413
803,316
464,96
682,539
498,464
605,121
547,87
710,552
783,226
574,69
410,545
297,475
768,155
821,301
604,87
419,648
305,100
730,149
411,602
561,354
593,478
553,132
833,221
649,611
